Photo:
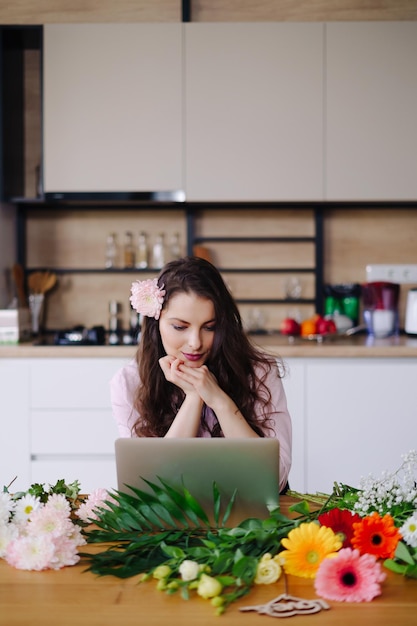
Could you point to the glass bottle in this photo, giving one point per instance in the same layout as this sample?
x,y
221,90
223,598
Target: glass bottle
x,y
111,251
142,251
114,323
158,252
174,247
129,251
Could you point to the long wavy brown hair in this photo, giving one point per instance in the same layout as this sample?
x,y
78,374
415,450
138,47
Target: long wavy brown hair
x,y
232,360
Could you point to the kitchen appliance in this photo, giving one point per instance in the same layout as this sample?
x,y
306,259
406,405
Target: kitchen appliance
x,y
343,300
410,326
380,308
81,336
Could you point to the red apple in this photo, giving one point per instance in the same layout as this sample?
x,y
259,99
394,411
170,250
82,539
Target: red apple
x,y
321,326
290,326
331,326
325,326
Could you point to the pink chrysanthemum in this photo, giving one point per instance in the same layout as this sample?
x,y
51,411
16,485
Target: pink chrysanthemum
x,y
31,553
65,553
87,511
349,577
49,521
147,297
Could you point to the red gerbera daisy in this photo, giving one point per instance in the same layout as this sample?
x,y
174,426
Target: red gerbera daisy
x,y
376,535
341,522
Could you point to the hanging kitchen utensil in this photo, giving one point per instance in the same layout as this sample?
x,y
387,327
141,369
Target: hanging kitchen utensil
x,y
19,280
41,282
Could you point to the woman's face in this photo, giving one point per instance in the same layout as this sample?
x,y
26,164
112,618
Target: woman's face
x,y
187,327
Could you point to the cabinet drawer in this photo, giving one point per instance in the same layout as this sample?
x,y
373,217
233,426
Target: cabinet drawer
x,y
72,432
72,383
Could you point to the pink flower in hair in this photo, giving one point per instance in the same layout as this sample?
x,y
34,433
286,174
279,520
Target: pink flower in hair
x,y
147,297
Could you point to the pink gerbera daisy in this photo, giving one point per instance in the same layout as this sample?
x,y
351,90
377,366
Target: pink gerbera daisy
x,y
349,577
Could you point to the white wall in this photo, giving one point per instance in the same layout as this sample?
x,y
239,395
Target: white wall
x,y
7,252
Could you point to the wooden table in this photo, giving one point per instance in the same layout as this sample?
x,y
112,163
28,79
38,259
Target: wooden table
x,y
72,596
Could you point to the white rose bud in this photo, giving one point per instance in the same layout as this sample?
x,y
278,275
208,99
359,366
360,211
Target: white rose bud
x,y
268,571
189,570
208,587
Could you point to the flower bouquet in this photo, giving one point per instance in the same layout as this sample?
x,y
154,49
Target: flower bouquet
x,y
343,541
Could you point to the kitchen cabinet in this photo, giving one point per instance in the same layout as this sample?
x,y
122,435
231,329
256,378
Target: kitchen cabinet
x,y
254,111
351,416
371,103
15,424
112,108
58,420
360,417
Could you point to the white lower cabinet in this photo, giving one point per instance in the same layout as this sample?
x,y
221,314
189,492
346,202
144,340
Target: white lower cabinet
x,y
15,424
360,417
351,417
57,422
72,428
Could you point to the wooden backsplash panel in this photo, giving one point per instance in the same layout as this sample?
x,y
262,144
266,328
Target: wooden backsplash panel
x,y
262,255
302,10
355,238
77,239
65,11
255,222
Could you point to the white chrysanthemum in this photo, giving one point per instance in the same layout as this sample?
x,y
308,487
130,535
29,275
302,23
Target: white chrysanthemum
x,y
8,532
58,502
6,506
25,507
409,531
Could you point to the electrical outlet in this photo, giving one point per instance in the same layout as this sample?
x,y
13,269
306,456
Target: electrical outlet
x,y
402,274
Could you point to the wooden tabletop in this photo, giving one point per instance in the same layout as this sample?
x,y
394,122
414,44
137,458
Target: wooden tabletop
x,y
72,596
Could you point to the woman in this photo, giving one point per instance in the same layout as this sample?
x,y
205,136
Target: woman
x,y
196,373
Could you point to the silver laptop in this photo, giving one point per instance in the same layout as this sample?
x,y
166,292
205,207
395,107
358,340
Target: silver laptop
x,y
251,466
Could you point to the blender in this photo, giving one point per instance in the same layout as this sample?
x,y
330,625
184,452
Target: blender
x,y
380,308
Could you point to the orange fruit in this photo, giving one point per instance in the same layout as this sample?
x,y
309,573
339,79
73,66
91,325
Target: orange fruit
x,y
308,327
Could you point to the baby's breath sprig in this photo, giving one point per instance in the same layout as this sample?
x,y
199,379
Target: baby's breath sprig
x,y
394,493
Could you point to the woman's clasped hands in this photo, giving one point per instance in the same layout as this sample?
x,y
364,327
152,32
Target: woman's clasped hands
x,y
197,380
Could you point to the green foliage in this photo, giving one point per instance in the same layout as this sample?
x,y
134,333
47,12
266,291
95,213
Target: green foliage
x,y
404,561
39,490
168,525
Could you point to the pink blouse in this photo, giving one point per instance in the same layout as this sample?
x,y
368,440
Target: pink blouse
x,y
123,387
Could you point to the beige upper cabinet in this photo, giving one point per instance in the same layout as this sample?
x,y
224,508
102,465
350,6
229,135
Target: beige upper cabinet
x,y
112,109
254,111
371,149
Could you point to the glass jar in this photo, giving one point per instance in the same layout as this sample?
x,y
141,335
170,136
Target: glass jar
x,y
129,251
142,254
158,252
111,251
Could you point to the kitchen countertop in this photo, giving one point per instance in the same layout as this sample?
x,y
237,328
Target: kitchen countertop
x,y
340,347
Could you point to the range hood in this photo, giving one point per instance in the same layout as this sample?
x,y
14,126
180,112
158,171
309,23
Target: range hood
x,y
130,196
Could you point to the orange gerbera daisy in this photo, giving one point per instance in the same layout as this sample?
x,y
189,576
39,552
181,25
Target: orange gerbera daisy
x,y
306,547
376,535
